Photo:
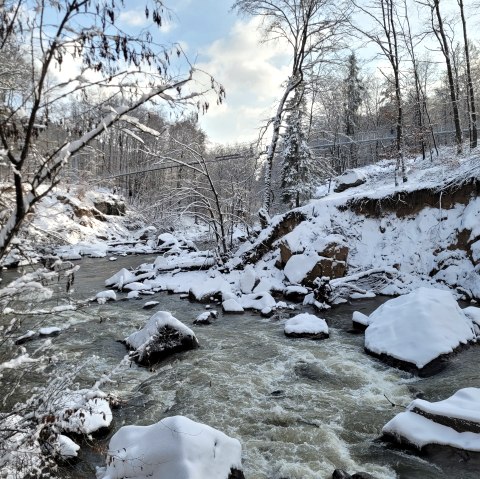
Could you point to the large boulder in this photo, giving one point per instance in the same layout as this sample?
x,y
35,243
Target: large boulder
x,y
349,179
453,422
417,331
174,448
332,246
110,205
162,336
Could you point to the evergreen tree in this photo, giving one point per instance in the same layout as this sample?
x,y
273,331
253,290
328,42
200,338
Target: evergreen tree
x,y
354,91
298,173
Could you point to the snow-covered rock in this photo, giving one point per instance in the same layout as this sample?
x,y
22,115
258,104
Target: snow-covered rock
x,y
295,293
83,412
161,336
257,301
360,321
232,306
210,287
306,325
66,447
454,422
413,330
247,280
120,279
186,261
349,179
150,304
174,448
206,317
306,267
49,331
28,336
103,296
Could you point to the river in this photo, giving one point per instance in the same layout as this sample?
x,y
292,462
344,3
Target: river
x,y
300,408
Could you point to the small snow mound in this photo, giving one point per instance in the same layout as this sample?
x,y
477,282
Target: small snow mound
x,y
257,301
306,325
120,279
247,280
103,296
83,411
205,318
360,320
67,448
175,447
150,304
232,306
49,331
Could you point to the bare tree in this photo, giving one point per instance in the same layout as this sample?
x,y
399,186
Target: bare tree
x,y
308,27
422,115
438,28
129,69
471,93
383,15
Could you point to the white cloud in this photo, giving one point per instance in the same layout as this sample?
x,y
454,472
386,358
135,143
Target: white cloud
x,y
252,74
133,18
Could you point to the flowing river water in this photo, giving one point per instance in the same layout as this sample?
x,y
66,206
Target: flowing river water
x,y
300,408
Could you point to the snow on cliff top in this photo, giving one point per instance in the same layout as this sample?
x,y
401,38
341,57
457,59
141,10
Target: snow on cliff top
x,y
421,245
436,172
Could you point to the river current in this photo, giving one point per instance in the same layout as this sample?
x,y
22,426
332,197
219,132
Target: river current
x,y
300,408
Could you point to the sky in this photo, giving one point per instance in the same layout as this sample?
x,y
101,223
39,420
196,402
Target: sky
x,y
227,46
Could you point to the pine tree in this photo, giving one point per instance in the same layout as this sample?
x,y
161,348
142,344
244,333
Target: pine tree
x,y
298,173
354,90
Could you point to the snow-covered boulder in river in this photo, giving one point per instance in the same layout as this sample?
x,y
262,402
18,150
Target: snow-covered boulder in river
x,y
453,422
161,336
416,331
174,448
306,325
206,317
84,411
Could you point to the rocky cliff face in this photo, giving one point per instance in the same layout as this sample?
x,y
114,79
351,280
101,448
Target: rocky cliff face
x,y
429,234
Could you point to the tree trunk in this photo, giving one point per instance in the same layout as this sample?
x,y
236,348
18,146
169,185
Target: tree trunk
x,y
277,123
442,38
471,94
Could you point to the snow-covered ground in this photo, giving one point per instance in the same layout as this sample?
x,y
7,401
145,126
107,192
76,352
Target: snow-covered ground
x,y
72,223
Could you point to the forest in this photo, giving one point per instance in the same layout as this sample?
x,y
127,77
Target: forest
x,y
335,113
